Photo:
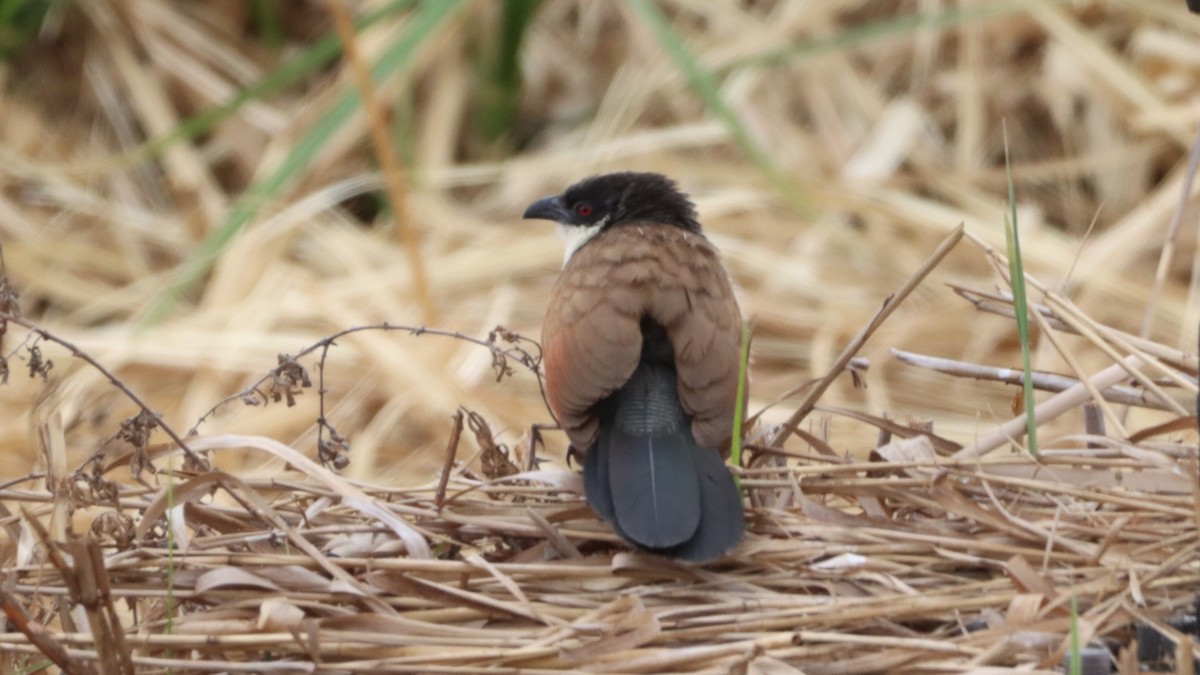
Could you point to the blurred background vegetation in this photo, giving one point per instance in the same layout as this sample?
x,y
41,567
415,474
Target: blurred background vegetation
x,y
188,189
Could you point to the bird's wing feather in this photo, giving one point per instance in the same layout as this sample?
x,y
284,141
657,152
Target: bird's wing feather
x,y
591,337
722,518
590,348
704,326
654,487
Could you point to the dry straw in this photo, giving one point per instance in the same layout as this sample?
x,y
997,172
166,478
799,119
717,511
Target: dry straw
x,y
895,521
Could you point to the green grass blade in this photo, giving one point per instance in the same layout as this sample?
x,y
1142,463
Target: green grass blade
x,y
320,54
705,86
398,56
500,72
1016,272
268,19
20,21
1076,656
739,412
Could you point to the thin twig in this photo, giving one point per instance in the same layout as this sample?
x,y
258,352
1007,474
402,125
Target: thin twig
x,y
451,452
1052,407
1042,381
1001,305
1103,338
889,305
500,357
113,380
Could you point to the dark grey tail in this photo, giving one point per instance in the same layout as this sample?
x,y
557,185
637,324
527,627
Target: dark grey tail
x,y
646,475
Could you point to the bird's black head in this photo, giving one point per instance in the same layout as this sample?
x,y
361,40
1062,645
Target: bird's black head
x,y
612,199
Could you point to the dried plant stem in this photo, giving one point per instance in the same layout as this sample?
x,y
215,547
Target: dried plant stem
x,y
1172,235
1001,304
500,357
1108,342
393,174
451,453
47,643
1041,380
889,305
1073,363
1053,407
112,378
1100,336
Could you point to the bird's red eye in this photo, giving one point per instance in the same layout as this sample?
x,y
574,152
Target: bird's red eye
x,y
584,209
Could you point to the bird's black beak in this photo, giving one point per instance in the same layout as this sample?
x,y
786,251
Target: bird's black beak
x,y
548,208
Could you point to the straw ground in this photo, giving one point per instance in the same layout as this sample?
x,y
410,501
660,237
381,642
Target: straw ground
x,y
192,195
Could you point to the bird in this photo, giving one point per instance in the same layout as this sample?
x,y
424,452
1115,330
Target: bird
x,y
641,345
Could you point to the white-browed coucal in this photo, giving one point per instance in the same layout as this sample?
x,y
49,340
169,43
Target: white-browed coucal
x,y
641,345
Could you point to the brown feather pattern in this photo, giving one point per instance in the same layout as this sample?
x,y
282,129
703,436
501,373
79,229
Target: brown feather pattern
x,y
592,336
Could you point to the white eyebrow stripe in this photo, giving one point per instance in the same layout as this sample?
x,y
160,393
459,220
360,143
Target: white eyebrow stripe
x,y
575,236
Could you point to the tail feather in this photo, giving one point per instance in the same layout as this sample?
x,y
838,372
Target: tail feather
x,y
722,518
655,493
647,476
595,482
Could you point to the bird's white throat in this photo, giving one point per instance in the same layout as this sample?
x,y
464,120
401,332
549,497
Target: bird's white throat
x,y
575,236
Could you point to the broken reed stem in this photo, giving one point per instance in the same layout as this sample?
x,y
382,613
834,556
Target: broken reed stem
x,y
92,590
1105,340
1087,388
393,174
1073,364
1100,336
1042,380
856,343
1053,407
46,642
256,503
451,453
1000,304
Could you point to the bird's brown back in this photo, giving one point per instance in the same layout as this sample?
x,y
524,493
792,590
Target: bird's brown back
x,y
592,334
